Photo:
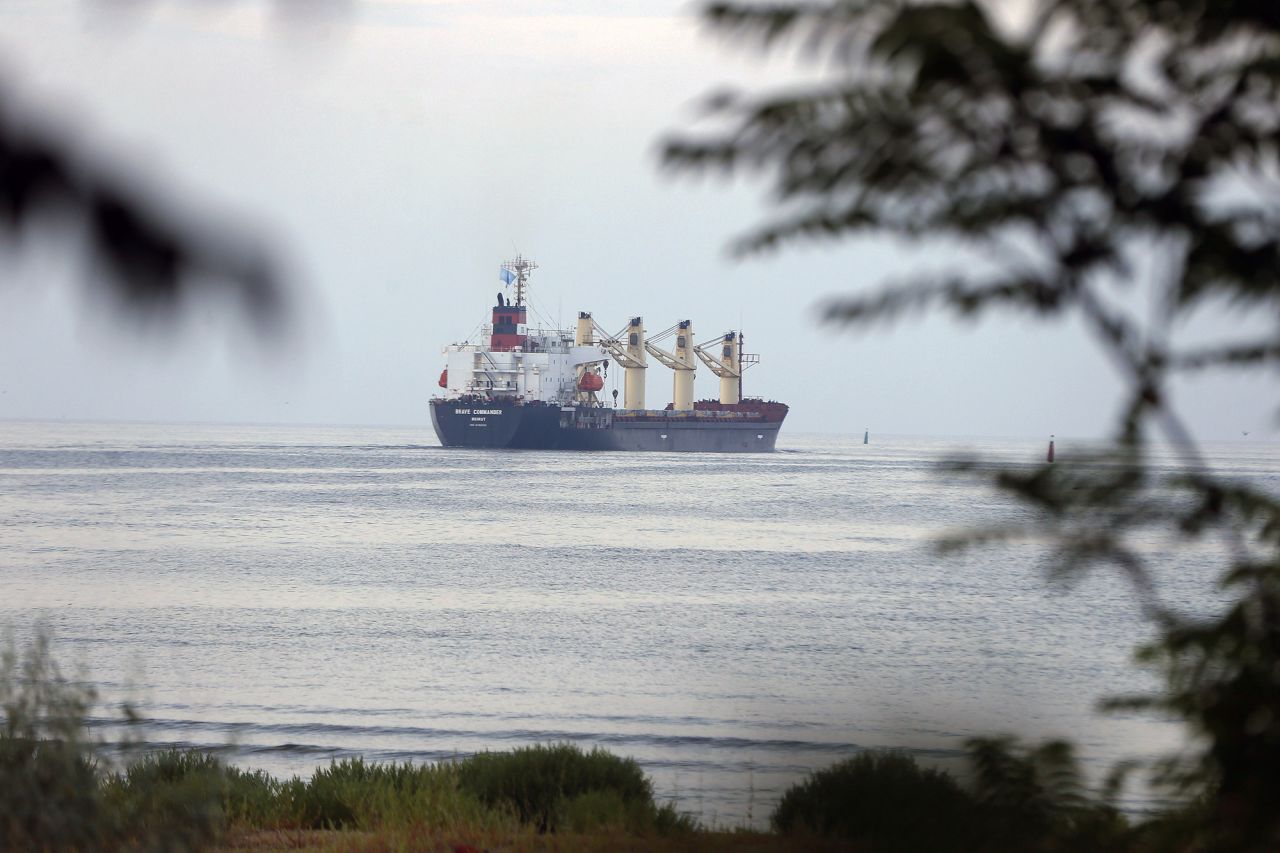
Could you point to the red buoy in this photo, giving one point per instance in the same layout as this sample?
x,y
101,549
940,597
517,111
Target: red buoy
x,y
444,378
590,382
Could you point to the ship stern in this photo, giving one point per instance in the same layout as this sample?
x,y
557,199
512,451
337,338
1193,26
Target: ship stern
x,y
482,423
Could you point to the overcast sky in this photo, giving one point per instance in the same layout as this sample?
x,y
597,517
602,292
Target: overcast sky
x,y
397,152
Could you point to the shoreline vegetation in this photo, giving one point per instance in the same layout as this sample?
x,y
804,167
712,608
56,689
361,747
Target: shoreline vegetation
x,y
60,791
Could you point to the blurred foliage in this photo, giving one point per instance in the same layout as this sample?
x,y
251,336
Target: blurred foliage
x,y
49,798
1037,799
146,245
1076,158
57,794
1017,798
149,251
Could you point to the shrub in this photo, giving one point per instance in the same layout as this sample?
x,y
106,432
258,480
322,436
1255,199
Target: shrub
x,y
594,810
327,799
169,800
1019,798
253,798
881,801
547,786
1035,798
1186,826
353,793
49,798
598,811
668,820
53,795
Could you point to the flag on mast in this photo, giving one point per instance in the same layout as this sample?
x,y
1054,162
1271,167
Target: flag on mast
x,y
506,275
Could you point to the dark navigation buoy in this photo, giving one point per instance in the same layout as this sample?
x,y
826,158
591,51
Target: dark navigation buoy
x,y
1050,458
866,436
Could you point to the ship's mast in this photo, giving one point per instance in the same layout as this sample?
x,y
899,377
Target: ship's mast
x,y
741,345
520,268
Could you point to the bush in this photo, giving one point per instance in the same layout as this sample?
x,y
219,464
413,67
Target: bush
x,y
1035,798
54,796
882,801
352,793
49,797
1186,826
560,784
253,798
1019,798
328,799
169,800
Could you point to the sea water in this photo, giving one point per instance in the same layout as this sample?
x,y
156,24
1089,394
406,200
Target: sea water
x,y
299,594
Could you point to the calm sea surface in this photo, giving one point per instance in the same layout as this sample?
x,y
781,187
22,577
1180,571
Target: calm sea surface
x,y
732,622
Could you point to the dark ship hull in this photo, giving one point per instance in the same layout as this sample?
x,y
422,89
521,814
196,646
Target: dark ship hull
x,y
747,427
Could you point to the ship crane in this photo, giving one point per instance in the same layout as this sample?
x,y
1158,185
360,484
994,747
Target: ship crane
x,y
628,349
728,363
612,344
681,361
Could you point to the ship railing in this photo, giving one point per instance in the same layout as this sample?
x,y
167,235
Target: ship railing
x,y
664,415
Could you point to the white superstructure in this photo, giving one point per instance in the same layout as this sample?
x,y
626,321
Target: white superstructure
x,y
546,369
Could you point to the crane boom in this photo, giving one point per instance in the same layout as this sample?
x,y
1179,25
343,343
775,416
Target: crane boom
x,y
717,367
615,348
668,359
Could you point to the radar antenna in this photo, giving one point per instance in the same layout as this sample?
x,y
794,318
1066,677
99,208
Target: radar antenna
x,y
520,268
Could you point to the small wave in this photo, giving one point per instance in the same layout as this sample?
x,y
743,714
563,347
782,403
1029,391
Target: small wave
x,y
265,731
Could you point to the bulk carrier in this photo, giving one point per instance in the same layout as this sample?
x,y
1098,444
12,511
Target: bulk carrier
x,y
539,389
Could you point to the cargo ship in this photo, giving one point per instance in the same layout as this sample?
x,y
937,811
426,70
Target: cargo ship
x,y
542,389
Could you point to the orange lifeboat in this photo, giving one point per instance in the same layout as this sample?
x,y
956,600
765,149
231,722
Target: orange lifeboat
x,y
590,382
444,378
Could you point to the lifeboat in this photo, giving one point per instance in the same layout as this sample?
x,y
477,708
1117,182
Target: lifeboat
x,y
444,378
590,382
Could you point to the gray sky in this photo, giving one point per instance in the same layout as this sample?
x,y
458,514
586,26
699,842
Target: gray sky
x,y
398,151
